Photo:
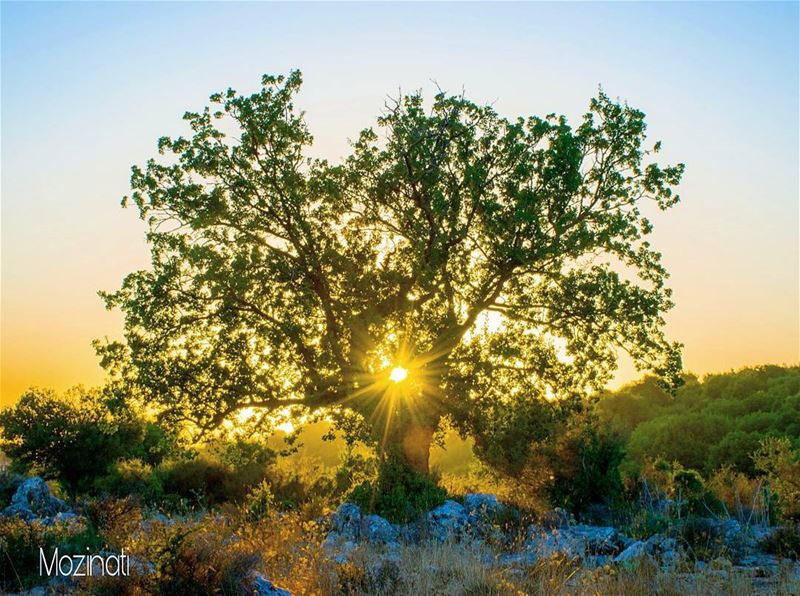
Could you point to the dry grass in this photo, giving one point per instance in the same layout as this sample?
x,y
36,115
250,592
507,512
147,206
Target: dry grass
x,y
217,555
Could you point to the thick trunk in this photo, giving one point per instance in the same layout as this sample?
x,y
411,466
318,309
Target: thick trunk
x,y
415,447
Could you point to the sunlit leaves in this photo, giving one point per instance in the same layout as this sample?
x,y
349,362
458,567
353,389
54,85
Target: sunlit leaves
x,y
277,279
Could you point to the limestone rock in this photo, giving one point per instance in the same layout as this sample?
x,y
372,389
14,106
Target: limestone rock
x,y
635,551
264,587
449,521
33,500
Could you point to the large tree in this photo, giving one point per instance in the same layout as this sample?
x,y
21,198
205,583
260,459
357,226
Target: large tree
x,y
457,264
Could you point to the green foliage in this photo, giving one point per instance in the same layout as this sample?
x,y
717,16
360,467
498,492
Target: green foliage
x,y
701,536
781,464
280,281
202,481
399,494
354,469
690,492
783,542
644,522
706,425
19,548
74,438
131,477
586,470
259,501
9,481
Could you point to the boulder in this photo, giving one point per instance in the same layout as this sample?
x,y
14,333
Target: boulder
x,y
338,547
574,542
346,521
563,544
481,504
664,549
33,500
377,530
449,521
598,540
264,587
557,518
636,551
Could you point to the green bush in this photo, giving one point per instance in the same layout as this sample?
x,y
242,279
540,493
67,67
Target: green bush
x,y
9,482
705,425
399,494
586,469
19,548
202,481
779,461
784,542
701,536
644,523
74,438
131,477
258,503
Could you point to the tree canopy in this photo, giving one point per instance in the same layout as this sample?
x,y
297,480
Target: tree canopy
x,y
501,263
706,425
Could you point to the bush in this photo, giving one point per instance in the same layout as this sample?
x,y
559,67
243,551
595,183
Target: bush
x,y
780,463
202,481
74,438
645,523
19,548
131,477
702,537
399,494
115,519
586,469
784,542
9,482
187,558
258,504
743,497
692,496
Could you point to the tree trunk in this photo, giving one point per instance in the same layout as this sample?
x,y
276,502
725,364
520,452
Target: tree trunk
x,y
415,447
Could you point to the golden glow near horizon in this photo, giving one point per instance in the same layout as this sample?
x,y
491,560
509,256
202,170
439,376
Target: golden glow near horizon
x,y
730,245
398,374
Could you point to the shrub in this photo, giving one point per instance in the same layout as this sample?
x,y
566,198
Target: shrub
x,y
743,497
781,465
645,523
701,536
20,542
302,482
74,438
783,542
258,504
187,558
203,481
9,482
399,494
586,469
131,477
115,519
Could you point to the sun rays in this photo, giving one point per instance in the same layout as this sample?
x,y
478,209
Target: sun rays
x,y
398,374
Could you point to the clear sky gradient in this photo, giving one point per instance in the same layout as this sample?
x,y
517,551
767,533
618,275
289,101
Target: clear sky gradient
x,y
88,88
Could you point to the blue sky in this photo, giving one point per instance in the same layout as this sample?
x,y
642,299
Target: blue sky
x,y
88,88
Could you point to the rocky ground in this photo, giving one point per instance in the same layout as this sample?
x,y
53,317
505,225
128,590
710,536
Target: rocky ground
x,y
488,534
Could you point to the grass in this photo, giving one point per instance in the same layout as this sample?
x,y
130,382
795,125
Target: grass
x,y
218,553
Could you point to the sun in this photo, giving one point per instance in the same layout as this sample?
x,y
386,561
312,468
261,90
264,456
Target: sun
x,y
398,374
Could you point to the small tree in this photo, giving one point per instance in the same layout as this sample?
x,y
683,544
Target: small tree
x,y
456,264
73,438
780,463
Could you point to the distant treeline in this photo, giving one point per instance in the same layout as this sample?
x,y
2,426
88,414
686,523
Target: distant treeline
x,y
706,424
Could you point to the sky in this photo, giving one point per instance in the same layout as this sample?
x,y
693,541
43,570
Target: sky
x,y
86,90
